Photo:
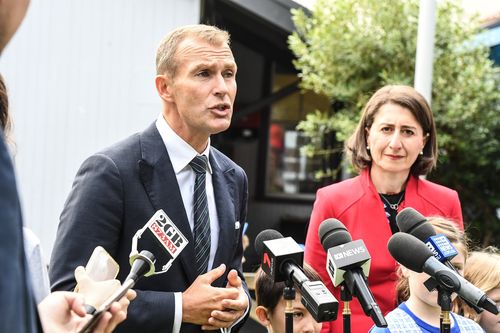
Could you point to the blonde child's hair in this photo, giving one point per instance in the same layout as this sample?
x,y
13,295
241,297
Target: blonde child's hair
x,y
483,271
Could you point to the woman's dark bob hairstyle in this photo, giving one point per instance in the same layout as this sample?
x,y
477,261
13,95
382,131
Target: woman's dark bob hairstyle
x,y
410,99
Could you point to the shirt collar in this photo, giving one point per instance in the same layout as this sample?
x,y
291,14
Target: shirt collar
x,y
179,151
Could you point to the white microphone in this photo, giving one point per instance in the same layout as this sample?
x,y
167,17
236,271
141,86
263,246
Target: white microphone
x,y
162,231
348,262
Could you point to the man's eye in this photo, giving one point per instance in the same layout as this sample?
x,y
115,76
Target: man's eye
x,y
203,74
228,74
386,129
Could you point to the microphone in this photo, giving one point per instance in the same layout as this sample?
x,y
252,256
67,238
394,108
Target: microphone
x,y
413,254
348,262
159,243
160,237
281,260
140,267
412,222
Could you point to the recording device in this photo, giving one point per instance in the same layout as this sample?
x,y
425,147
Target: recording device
x,y
159,243
281,260
413,254
101,266
412,222
348,262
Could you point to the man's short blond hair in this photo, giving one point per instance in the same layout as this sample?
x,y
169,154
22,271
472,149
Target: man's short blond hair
x,y
166,63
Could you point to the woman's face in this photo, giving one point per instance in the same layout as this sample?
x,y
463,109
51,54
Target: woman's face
x,y
395,140
488,321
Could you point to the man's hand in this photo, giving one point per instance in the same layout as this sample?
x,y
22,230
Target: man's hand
x,y
201,298
234,308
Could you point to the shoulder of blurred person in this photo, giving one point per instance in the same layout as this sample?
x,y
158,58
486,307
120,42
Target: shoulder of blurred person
x,y
36,264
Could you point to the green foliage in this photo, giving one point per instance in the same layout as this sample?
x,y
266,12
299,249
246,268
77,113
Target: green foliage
x,y
347,49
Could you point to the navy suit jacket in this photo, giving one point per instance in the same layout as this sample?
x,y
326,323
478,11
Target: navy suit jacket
x,y
115,193
17,305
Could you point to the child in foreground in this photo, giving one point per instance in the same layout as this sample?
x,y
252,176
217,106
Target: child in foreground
x,y
271,305
419,310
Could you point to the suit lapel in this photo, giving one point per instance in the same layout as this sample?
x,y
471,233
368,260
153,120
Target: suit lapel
x,y
159,180
223,183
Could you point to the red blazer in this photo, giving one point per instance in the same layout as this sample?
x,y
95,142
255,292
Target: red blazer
x,y
356,203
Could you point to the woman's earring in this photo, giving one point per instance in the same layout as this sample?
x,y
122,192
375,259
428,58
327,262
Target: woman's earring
x,y
367,147
421,152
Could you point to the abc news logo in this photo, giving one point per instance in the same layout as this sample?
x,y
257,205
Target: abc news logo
x,y
441,247
349,253
168,234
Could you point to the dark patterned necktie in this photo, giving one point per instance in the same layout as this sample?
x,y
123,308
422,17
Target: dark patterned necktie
x,y
201,218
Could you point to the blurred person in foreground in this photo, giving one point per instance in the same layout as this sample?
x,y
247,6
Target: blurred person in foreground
x,y
172,166
270,309
57,312
419,310
483,270
394,143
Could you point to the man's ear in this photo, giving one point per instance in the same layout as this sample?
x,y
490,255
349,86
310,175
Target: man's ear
x,y
164,87
262,315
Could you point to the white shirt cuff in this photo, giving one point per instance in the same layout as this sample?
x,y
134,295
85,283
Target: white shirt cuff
x,y
176,328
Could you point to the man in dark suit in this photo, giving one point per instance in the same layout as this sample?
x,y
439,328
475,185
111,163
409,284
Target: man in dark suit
x,y
117,190
58,312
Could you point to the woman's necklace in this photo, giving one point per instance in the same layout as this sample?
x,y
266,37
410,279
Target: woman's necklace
x,y
393,206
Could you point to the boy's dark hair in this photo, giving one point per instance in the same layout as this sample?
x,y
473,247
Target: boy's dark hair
x,y
269,294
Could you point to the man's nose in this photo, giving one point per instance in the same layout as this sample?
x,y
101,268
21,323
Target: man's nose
x,y
220,86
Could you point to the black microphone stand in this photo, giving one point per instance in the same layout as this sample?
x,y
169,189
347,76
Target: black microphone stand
x,y
444,301
289,296
346,297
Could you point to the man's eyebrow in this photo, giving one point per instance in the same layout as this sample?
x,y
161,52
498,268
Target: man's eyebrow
x,y
228,64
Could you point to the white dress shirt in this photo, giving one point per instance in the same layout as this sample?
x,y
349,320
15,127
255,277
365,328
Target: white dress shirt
x,y
181,153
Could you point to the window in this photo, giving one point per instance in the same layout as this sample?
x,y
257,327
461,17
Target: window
x,y
289,172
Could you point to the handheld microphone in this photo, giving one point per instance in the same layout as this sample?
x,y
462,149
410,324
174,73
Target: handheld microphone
x,y
348,262
152,259
412,222
169,240
281,260
141,266
415,255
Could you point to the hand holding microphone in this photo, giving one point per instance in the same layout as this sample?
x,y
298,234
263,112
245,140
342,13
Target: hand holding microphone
x,y
159,230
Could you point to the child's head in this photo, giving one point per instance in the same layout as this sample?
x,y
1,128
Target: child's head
x,y
483,271
411,284
271,306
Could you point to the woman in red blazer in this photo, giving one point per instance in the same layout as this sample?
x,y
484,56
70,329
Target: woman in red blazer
x,y
394,143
